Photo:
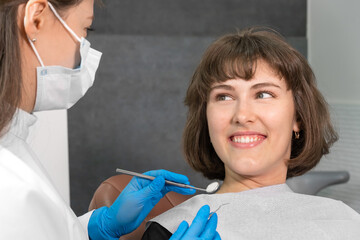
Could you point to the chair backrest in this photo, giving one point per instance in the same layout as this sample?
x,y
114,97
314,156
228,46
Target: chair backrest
x,y
110,189
314,181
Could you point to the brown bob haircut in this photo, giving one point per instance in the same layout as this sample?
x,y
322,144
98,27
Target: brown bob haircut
x,y
235,56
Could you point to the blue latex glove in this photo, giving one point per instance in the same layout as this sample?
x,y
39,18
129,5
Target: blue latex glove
x,y
133,205
201,227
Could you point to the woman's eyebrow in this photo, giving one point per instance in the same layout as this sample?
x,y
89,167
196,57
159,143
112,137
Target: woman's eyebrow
x,y
223,86
265,84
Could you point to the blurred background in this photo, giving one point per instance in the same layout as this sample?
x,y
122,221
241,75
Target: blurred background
x,y
134,115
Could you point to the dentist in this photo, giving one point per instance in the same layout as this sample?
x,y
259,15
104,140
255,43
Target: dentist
x,y
45,64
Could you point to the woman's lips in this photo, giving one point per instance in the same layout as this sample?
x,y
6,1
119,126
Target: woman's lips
x,y
246,140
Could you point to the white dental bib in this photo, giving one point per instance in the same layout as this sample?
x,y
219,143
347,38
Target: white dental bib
x,y
273,212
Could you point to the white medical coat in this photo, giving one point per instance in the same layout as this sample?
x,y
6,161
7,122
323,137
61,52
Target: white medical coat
x,y
30,206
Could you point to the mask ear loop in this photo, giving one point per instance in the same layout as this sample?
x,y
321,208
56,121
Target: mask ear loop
x,y
33,47
63,22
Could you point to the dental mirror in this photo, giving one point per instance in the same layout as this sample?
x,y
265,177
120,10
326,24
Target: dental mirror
x,y
211,188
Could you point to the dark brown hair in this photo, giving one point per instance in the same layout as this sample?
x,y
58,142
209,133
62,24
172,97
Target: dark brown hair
x,y
235,56
10,60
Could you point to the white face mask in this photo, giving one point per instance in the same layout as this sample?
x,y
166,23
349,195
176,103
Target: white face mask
x,y
60,87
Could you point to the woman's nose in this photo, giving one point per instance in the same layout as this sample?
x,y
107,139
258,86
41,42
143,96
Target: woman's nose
x,y
243,113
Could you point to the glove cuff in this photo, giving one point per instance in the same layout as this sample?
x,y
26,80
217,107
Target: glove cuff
x,y
96,228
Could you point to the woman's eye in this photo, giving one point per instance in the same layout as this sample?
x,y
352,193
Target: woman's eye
x,y
263,95
223,97
89,29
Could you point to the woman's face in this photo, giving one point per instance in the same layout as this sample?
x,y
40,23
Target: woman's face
x,y
250,126
56,46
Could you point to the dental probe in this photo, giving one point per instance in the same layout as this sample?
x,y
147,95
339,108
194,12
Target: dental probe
x,y
217,209
211,188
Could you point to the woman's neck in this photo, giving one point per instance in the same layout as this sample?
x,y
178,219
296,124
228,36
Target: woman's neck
x,y
236,183
28,67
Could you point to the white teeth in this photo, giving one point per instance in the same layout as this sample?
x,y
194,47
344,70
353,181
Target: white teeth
x,y
247,139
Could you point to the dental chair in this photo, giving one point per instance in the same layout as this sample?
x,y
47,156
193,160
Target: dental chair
x,y
110,189
314,181
309,183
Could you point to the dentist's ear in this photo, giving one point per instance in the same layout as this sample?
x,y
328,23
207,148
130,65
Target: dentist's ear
x,y
35,15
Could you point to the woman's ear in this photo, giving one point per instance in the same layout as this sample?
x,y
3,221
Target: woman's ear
x,y
296,127
35,12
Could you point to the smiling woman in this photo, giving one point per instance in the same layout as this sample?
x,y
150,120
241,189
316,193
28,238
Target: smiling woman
x,y
250,127
256,118
265,57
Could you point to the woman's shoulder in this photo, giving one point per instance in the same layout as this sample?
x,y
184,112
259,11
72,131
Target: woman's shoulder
x,y
27,201
12,168
17,181
18,178
284,202
321,207
279,208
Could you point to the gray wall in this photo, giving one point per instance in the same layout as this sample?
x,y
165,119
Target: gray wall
x,y
133,116
199,17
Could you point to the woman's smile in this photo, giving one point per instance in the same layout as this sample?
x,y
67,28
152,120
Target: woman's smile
x,y
246,139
